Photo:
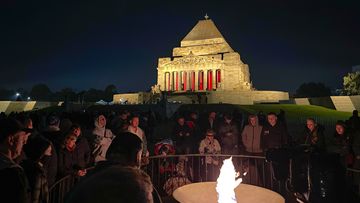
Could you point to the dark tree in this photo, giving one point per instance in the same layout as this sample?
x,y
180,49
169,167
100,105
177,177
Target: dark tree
x,y
313,89
6,94
110,90
41,92
93,95
67,94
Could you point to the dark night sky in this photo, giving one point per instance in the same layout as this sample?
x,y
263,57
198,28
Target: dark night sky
x,y
87,44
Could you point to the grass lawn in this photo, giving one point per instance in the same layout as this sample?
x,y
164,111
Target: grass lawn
x,y
294,112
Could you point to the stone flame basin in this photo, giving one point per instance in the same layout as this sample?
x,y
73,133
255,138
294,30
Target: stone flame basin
x,y
205,193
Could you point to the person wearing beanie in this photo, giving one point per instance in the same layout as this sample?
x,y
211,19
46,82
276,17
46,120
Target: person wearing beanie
x,y
36,149
52,133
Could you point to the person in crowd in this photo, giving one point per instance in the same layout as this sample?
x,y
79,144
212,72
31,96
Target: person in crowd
x,y
313,135
262,118
341,144
238,119
356,165
27,122
180,176
193,124
28,128
273,134
69,160
36,149
102,138
120,123
82,146
165,148
251,140
210,123
125,151
114,184
52,133
65,125
282,119
229,136
14,185
354,121
135,129
183,137
208,146
274,139
251,136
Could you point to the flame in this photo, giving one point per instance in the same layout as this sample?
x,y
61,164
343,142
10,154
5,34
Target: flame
x,y
227,181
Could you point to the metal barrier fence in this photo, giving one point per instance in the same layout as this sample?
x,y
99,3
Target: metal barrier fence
x,y
60,188
354,178
58,191
172,171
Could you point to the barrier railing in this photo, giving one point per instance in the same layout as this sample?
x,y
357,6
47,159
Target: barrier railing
x,y
58,191
61,187
354,178
172,171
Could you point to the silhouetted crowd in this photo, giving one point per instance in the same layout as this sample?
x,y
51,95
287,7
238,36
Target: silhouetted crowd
x,y
39,149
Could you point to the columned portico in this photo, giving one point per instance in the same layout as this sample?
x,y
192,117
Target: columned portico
x,y
203,62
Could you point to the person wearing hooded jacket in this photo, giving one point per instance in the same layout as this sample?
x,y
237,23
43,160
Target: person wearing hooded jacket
x,y
102,139
251,135
251,139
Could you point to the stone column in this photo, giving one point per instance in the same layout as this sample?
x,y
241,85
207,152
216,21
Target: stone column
x,y
222,74
196,79
214,78
205,79
172,80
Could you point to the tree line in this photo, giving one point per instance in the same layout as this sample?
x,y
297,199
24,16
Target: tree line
x,y
351,86
41,92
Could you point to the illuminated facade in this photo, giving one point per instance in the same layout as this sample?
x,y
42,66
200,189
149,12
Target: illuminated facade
x,y
204,69
203,62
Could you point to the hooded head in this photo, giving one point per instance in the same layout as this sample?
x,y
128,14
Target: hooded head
x,y
100,121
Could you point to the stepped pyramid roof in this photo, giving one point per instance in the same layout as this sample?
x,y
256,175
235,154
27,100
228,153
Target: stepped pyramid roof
x,y
204,29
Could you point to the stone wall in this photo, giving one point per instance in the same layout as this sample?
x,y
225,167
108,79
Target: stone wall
x,y
201,50
302,101
340,103
20,106
132,98
356,101
247,97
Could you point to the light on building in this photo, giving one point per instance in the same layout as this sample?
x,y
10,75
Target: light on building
x,y
28,98
17,94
